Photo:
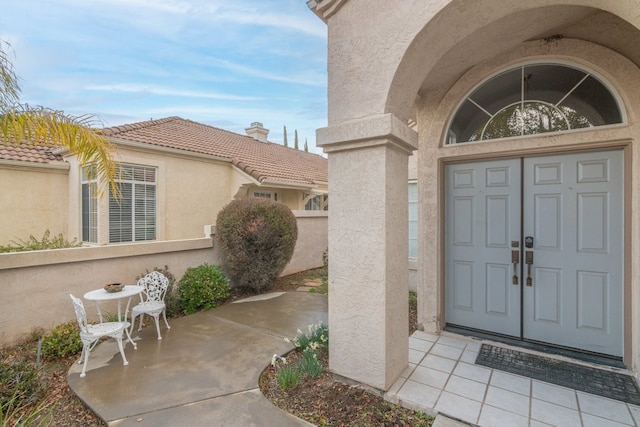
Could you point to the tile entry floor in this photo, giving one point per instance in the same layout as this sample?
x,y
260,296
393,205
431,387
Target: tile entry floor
x,y
442,377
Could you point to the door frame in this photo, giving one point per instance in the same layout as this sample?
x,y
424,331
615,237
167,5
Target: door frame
x,y
625,145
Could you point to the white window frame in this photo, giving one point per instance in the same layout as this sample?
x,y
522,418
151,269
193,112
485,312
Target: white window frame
x,y
319,202
271,195
89,216
137,205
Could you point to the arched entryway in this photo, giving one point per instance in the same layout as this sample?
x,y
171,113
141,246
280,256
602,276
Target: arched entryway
x,y
534,244
565,186
399,63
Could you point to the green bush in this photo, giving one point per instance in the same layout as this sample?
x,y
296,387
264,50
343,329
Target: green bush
x,y
202,287
171,298
63,340
33,244
257,237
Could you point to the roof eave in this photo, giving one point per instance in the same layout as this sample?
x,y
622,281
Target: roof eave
x,y
25,164
325,8
286,184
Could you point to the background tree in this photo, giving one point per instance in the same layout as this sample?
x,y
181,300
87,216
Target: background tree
x,y
286,143
25,124
295,142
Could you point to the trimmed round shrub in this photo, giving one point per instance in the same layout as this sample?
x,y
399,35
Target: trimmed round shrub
x,y
62,341
257,237
202,287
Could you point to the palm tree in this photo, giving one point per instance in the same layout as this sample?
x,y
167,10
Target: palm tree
x,y
25,124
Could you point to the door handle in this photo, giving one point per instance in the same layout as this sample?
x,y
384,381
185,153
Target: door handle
x,y
515,259
528,259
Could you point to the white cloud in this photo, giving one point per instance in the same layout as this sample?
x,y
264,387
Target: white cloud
x,y
311,78
154,90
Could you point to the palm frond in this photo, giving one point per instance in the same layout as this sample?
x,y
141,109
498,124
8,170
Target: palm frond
x,y
9,82
24,124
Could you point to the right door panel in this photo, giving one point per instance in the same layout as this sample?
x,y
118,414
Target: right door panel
x,y
573,209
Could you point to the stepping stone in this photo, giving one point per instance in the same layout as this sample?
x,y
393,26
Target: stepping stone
x,y
313,283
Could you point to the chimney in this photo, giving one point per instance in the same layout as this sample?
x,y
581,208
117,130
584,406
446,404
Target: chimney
x,y
257,131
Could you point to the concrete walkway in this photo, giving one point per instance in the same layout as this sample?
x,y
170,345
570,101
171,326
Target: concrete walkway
x,y
204,371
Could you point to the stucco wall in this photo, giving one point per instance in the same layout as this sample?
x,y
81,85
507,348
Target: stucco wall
x,y
312,241
42,192
35,286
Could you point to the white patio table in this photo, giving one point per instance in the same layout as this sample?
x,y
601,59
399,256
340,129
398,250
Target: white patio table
x,y
98,295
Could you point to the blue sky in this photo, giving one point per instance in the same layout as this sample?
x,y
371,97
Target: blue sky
x,y
225,63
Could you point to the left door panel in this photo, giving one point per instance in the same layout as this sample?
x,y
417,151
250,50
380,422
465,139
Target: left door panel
x,y
482,219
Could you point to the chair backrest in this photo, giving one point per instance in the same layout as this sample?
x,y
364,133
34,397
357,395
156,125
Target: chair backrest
x,y
155,286
81,314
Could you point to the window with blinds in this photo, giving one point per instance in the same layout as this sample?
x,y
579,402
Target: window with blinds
x,y
132,215
266,195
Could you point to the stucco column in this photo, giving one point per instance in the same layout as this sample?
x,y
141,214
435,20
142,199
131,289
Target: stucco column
x,y
368,248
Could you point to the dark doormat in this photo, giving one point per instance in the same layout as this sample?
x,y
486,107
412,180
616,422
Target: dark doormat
x,y
603,383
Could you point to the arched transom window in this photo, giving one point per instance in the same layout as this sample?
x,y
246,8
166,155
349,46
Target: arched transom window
x,y
534,99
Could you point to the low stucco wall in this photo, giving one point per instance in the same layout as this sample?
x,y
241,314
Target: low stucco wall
x,y
312,241
35,286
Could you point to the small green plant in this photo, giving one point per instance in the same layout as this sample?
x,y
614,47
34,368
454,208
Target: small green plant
x,y
413,299
288,377
33,244
63,340
19,385
324,287
309,344
202,287
108,316
309,363
14,412
317,337
171,298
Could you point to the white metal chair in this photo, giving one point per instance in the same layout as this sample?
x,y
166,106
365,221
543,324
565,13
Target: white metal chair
x,y
154,287
91,333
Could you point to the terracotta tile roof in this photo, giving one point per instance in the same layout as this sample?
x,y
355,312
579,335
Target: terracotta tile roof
x,y
27,153
264,161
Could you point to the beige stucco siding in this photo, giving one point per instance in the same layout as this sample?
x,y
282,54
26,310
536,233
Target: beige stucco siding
x,y
185,201
291,198
195,192
41,192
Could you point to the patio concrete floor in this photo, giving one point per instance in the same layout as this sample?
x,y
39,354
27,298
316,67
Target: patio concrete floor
x,y
205,372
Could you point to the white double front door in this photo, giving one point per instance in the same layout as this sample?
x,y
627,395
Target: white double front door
x,y
564,213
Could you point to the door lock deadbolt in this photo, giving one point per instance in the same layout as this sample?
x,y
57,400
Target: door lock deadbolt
x,y
528,242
